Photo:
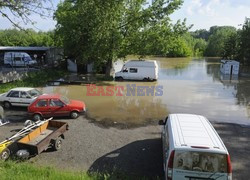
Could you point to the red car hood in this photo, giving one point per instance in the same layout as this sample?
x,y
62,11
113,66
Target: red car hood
x,y
76,104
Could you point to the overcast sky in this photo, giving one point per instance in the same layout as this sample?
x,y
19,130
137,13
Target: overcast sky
x,y
201,13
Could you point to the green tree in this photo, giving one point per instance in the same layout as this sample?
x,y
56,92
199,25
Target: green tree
x,y
244,43
217,39
101,31
29,37
20,10
231,48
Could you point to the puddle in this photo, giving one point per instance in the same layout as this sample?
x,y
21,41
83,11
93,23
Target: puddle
x,y
188,86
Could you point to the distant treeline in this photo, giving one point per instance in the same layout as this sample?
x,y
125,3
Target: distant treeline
x,y
219,41
28,37
227,42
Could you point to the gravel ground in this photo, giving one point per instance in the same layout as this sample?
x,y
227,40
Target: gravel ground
x,y
138,151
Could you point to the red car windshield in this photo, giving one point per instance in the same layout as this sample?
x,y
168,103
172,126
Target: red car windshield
x,y
65,100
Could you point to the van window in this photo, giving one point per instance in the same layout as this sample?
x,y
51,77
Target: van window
x,y
17,59
200,161
133,70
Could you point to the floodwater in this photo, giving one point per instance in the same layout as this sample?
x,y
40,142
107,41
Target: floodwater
x,y
185,85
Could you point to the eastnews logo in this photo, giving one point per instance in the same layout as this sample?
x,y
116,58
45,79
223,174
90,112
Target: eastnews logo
x,y
128,90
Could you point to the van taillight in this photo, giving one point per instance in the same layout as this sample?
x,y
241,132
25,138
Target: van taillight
x,y
170,166
229,165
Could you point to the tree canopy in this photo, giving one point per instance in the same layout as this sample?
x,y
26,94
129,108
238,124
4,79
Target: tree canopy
x,y
29,37
17,11
101,31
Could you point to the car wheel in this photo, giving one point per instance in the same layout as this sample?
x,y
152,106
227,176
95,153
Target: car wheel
x,y
7,104
37,117
74,114
57,144
5,154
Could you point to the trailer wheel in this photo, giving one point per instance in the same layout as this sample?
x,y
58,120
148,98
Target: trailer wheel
x,y
57,144
5,154
7,104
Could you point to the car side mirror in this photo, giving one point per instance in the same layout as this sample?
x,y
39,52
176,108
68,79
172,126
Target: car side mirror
x,y
161,122
28,97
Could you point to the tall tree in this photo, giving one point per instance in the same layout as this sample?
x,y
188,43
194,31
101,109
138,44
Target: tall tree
x,y
217,40
20,10
244,44
101,31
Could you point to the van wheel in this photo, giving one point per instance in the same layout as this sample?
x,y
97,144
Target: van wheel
x,y
74,114
7,104
8,66
5,154
37,117
146,79
119,78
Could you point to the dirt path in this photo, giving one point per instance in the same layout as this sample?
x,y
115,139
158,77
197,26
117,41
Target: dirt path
x,y
138,151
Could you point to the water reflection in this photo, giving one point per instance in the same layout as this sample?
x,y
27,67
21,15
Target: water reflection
x,y
189,86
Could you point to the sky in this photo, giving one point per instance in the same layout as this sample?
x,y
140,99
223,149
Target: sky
x,y
201,13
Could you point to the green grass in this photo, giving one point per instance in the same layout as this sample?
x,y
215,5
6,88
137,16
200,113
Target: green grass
x,y
11,170
34,79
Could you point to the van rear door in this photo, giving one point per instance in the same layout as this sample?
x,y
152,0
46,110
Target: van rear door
x,y
194,165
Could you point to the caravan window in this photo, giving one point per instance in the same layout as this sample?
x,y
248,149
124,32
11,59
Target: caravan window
x,y
133,70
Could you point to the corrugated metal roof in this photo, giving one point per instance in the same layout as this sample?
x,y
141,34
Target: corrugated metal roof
x,y
19,48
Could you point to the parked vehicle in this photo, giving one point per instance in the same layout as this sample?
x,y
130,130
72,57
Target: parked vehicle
x,y
55,105
6,147
22,96
18,59
49,135
192,149
138,70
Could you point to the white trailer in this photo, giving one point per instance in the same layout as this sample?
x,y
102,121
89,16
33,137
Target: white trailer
x,y
230,67
138,70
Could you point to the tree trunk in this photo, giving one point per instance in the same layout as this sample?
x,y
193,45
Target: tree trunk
x,y
108,68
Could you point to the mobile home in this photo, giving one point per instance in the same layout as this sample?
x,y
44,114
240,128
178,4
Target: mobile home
x,y
230,67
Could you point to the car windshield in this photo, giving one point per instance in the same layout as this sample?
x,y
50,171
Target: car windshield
x,y
34,93
65,100
200,161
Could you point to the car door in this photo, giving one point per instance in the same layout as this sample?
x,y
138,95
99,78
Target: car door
x,y
42,107
14,98
25,99
58,108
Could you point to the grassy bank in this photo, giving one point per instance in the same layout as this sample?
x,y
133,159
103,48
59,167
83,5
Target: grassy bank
x,y
26,171
34,79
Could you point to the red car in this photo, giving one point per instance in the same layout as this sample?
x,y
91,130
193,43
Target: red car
x,y
55,105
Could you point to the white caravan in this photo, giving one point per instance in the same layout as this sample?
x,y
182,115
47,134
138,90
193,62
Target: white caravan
x,y
138,70
230,67
192,149
18,59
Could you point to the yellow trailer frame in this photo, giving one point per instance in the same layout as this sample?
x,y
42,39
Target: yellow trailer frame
x,y
4,151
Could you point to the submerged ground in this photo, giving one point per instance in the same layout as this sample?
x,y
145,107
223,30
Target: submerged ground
x,y
121,132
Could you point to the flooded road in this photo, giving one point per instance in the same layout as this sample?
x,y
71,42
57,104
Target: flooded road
x,y
185,85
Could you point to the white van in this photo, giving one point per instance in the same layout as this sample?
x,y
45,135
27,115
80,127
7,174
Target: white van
x,y
192,149
138,70
18,59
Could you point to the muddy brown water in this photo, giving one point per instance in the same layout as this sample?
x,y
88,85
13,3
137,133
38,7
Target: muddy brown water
x,y
187,85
